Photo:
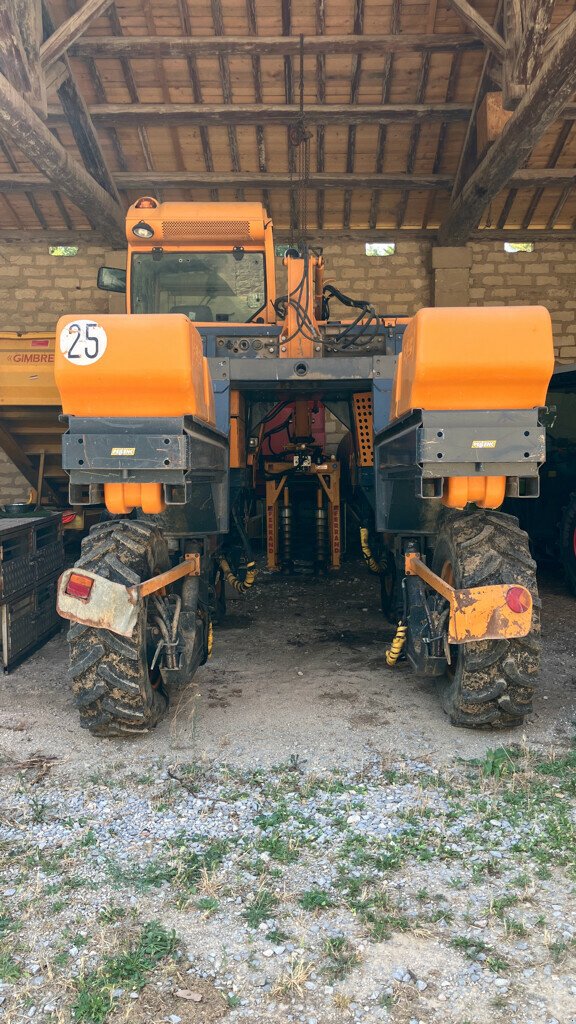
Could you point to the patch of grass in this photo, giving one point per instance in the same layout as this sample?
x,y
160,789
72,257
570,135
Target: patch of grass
x,y
261,908
276,817
38,809
208,904
502,903
497,964
233,1000
89,838
470,947
341,957
559,949
282,850
9,969
277,937
315,899
111,914
291,982
8,924
183,870
382,926
499,762
129,969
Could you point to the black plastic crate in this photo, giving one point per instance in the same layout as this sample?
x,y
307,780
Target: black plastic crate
x,y
27,621
31,549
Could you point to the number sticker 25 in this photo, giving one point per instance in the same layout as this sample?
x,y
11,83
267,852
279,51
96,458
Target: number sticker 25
x,y
83,342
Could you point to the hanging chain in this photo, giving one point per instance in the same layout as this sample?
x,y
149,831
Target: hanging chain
x,y
299,138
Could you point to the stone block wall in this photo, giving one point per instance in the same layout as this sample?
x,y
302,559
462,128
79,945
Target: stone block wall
x,y
36,288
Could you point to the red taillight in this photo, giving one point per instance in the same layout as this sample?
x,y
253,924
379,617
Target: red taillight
x,y
518,599
68,517
79,586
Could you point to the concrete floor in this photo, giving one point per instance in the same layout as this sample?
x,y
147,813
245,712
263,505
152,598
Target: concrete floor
x,y
298,670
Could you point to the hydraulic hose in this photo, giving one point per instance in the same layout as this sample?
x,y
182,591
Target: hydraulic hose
x,y
367,551
241,586
395,650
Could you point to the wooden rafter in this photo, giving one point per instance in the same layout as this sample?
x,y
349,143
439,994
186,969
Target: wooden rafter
x,y
252,113
382,128
531,48
132,90
526,177
542,103
358,30
186,24
71,29
258,96
272,180
321,98
481,28
20,39
85,137
226,80
22,126
289,45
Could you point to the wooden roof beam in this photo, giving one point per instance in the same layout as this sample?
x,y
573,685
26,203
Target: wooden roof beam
x,y
146,181
141,47
24,129
79,120
71,29
481,28
543,102
533,41
20,39
134,114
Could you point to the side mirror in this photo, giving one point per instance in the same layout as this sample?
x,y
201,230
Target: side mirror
x,y
110,279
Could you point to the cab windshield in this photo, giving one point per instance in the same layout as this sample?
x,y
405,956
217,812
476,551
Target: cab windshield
x,y
205,286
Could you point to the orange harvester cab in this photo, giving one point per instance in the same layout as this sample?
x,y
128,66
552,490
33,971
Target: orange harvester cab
x,y
144,366
204,227
489,357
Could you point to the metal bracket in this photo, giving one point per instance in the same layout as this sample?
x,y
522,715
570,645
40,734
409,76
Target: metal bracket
x,y
114,606
477,613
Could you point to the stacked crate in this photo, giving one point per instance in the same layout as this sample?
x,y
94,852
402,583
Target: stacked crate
x,y
31,560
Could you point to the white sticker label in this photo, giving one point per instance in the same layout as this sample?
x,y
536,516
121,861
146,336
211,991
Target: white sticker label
x,y
83,342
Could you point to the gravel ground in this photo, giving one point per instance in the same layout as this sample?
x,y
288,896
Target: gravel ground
x,y
305,838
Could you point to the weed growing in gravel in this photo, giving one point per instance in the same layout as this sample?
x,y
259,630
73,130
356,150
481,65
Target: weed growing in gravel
x,y
261,908
9,969
282,850
128,969
470,947
291,982
315,899
341,957
111,914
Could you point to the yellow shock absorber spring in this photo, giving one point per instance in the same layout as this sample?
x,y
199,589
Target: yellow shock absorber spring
x,y
394,651
210,639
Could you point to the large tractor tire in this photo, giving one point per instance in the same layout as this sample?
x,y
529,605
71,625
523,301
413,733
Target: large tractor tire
x,y
491,682
568,543
115,691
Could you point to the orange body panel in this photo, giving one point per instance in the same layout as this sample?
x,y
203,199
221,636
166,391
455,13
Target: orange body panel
x,y
222,224
484,491
237,430
152,366
121,498
489,357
